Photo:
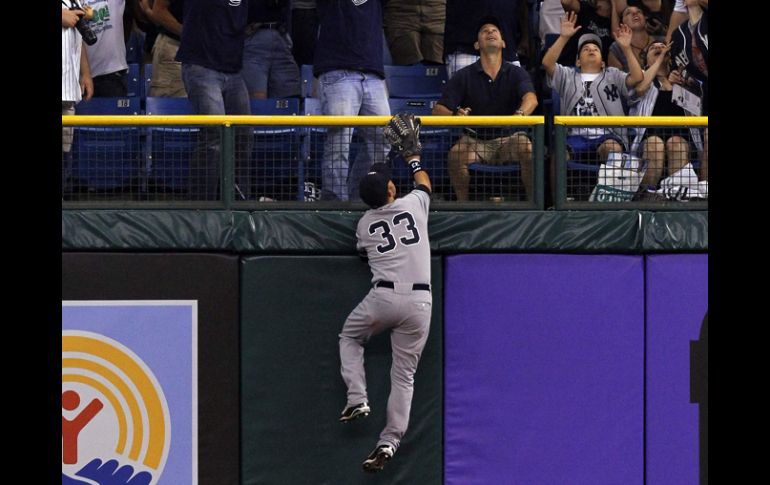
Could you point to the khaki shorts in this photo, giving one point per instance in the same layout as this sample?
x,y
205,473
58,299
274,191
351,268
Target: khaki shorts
x,y
497,151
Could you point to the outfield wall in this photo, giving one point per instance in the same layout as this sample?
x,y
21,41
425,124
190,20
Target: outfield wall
x,y
541,367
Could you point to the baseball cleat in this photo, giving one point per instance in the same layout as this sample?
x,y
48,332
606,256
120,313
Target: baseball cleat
x,y
352,412
377,458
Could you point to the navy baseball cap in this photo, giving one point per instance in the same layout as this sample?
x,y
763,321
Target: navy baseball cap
x,y
373,188
489,19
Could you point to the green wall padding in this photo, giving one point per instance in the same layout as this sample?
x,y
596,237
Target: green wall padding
x,y
293,308
330,232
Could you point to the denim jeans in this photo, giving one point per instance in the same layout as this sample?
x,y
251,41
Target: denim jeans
x,y
217,93
350,93
268,66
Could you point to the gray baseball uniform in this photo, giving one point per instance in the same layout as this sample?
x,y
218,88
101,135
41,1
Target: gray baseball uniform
x,y
394,237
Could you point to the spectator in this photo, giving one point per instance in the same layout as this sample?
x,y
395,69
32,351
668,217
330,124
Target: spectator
x,y
550,12
488,87
679,15
268,65
690,51
211,53
144,23
652,97
166,70
592,89
593,16
656,12
636,20
690,54
351,81
304,30
107,57
414,30
460,33
76,83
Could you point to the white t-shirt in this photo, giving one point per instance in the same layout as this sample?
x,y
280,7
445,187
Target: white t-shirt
x,y
587,107
71,42
679,6
108,54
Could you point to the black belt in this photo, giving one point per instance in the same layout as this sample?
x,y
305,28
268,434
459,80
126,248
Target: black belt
x,y
254,26
389,284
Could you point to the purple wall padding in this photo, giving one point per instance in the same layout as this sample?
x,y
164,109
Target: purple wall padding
x,y
543,369
677,300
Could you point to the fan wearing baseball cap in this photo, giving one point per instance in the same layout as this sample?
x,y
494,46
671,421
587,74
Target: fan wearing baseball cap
x,y
592,89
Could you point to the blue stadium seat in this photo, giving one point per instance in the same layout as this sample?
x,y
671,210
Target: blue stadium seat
x,y
146,78
107,157
276,163
133,81
417,81
308,82
170,148
135,47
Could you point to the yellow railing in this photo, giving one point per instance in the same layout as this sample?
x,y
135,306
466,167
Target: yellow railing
x,y
631,120
298,120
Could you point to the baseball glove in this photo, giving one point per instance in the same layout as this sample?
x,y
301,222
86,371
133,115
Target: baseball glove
x,y
403,132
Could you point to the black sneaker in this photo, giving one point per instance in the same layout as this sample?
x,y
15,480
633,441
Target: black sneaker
x,y
352,412
377,458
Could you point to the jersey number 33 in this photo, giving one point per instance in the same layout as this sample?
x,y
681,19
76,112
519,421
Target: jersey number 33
x,y
387,228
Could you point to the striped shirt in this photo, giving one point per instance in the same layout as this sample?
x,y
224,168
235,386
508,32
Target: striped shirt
x,y
71,43
644,106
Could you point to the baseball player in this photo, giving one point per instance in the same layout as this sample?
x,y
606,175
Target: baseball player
x,y
393,236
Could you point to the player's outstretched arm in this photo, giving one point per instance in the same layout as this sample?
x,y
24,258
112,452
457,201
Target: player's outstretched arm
x,y
403,132
420,175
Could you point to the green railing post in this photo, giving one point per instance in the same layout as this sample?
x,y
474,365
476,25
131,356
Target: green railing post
x,y
559,143
227,176
539,166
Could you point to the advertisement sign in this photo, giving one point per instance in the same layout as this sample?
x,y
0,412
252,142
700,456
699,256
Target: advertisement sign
x,y
129,392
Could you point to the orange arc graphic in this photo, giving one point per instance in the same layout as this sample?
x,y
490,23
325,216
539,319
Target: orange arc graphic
x,y
150,398
133,405
111,398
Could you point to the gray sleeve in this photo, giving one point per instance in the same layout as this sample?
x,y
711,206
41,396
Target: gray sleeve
x,y
618,78
360,249
422,202
560,76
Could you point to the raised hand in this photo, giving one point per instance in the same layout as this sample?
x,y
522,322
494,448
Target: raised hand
x,y
623,35
568,27
675,77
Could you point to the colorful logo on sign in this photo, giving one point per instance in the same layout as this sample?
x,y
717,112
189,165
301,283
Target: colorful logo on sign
x,y
115,418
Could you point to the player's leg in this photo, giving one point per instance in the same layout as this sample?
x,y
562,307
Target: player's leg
x,y
407,342
367,319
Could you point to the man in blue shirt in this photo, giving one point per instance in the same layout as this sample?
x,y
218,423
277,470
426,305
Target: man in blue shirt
x,y
351,81
211,53
489,87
